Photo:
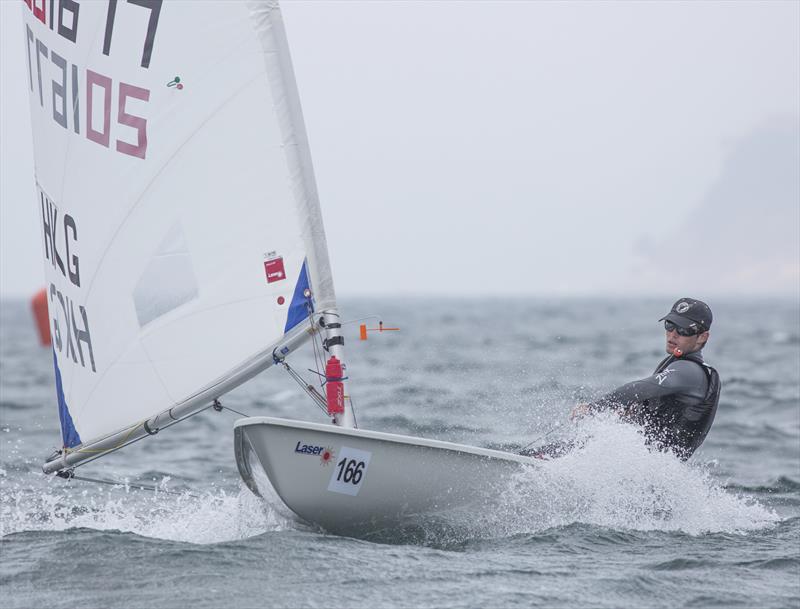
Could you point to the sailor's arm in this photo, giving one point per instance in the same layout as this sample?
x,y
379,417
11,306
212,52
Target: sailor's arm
x,y
678,377
617,400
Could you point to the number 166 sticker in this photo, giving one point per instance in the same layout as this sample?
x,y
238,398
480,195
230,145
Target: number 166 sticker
x,y
350,470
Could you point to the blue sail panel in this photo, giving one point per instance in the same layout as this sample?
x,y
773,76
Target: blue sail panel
x,y
69,435
301,306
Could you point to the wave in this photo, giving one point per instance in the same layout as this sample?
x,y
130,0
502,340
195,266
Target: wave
x,y
758,430
615,481
214,516
783,484
12,405
613,488
682,564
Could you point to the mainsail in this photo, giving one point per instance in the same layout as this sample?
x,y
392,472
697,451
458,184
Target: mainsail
x,y
183,240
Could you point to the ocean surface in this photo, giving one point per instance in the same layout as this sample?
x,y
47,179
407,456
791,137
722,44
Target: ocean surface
x,y
611,525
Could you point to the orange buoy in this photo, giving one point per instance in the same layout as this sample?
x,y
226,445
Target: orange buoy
x,y
41,316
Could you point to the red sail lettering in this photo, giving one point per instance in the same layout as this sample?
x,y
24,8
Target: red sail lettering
x,y
104,82
130,120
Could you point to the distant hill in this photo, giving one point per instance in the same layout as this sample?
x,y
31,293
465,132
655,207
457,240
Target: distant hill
x,y
744,236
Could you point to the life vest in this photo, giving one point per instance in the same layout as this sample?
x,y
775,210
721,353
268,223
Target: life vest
x,y
678,426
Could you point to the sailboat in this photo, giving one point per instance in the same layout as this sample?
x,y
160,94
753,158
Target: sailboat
x,y
185,253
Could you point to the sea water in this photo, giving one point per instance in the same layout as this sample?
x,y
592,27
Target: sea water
x,y
611,524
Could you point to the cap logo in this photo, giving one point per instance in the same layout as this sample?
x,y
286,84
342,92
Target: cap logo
x,y
682,307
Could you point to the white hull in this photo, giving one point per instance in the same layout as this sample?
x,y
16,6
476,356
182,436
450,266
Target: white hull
x,y
352,479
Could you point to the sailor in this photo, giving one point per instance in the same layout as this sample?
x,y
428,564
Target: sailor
x,y
675,406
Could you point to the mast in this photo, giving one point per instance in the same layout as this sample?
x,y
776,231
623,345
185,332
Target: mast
x,y
284,85
334,342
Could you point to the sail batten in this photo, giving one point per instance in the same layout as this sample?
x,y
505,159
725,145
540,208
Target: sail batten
x,y
178,206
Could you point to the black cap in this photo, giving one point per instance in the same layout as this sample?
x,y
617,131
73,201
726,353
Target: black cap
x,y
690,314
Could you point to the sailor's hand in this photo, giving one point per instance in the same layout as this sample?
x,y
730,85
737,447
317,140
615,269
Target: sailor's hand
x,y
580,411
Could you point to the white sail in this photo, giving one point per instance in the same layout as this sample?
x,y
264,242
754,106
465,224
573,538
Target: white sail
x,y
179,210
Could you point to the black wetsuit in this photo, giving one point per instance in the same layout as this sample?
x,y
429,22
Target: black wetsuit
x,y
675,406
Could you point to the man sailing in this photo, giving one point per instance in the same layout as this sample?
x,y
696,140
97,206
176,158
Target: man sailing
x,y
675,406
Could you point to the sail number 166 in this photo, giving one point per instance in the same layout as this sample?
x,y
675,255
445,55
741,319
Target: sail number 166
x,y
350,471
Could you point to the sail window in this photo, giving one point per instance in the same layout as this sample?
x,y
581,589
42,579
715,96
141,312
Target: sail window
x,y
168,280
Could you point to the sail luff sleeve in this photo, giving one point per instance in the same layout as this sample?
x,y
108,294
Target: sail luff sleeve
x,y
270,29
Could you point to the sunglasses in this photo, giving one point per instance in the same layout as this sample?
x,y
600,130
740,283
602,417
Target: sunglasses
x,y
669,327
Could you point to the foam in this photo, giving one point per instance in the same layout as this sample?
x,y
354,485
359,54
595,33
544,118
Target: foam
x,y
613,480
214,516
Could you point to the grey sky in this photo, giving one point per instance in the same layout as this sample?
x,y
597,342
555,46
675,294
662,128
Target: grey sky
x,y
504,148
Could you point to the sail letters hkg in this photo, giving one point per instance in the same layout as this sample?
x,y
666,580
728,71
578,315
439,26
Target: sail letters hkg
x,y
64,308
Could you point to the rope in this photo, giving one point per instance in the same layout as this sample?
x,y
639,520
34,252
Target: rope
x,y
70,475
355,321
307,387
542,437
241,414
353,410
318,354
124,443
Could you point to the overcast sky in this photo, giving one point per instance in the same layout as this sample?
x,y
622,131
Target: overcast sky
x,y
549,148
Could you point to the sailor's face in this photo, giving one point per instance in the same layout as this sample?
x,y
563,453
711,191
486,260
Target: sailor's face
x,y
686,344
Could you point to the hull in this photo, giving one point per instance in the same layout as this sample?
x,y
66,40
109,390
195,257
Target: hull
x,y
357,480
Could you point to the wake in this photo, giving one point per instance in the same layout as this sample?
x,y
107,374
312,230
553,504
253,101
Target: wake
x,y
212,517
612,481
